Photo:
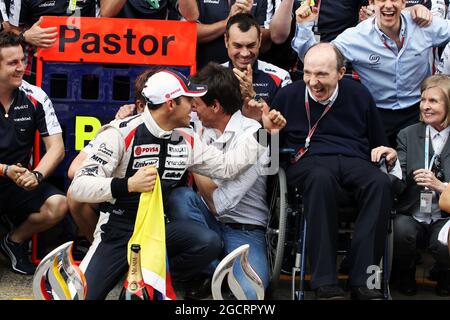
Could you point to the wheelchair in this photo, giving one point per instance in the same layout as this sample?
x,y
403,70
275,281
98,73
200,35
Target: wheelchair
x,y
287,233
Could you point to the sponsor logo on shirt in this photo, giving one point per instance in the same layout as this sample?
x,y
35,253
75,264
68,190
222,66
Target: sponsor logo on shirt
x,y
22,107
23,119
104,149
90,171
146,150
177,150
211,1
99,160
176,163
118,212
172,175
47,4
140,163
374,59
260,84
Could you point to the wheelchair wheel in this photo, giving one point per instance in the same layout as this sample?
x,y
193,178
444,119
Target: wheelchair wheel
x,y
276,228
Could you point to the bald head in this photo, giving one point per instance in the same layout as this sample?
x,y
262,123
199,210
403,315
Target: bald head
x,y
329,51
323,68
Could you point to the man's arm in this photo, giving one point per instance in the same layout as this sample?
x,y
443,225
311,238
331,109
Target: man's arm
x,y
111,8
54,154
280,26
304,37
228,195
76,164
209,32
188,9
206,189
211,162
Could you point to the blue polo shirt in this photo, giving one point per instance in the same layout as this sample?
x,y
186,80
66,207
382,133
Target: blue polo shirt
x,y
393,76
212,11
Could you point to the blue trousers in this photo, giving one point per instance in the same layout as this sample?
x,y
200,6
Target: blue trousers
x,y
189,206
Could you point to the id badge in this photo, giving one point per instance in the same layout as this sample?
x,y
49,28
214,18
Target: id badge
x,y
426,197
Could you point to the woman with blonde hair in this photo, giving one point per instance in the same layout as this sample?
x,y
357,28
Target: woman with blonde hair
x,y
424,154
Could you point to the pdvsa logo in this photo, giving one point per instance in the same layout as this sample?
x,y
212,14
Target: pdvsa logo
x,y
146,149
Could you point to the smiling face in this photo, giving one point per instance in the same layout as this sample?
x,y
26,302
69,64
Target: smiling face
x,y
388,13
12,67
182,112
320,71
433,108
242,47
205,113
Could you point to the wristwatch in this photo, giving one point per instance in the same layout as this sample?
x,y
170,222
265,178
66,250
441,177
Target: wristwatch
x,y
39,176
257,97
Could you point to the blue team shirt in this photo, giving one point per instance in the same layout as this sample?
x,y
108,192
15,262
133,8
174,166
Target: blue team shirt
x,y
393,77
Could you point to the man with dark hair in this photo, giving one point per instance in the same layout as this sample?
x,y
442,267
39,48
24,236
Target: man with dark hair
x,y
243,42
235,210
120,168
25,17
212,21
333,126
34,205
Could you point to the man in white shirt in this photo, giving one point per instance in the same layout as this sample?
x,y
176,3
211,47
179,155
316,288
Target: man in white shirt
x,y
235,209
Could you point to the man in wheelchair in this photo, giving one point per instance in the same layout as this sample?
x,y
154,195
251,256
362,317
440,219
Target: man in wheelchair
x,y
333,127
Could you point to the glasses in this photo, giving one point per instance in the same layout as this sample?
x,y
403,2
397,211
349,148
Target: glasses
x,y
437,168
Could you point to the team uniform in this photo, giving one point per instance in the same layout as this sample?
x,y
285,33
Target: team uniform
x,y
31,110
267,78
117,152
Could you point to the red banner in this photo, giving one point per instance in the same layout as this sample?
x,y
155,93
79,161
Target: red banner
x,y
128,41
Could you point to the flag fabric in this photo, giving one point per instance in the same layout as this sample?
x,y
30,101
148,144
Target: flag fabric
x,y
150,233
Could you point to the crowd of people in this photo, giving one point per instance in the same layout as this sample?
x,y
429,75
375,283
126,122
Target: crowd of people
x,y
343,83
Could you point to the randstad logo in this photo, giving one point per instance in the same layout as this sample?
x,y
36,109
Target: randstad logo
x,y
374,59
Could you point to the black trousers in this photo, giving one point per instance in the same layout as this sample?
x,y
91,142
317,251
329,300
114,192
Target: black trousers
x,y
190,249
395,120
410,235
321,179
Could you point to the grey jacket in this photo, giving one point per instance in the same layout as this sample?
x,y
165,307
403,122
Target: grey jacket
x,y
411,154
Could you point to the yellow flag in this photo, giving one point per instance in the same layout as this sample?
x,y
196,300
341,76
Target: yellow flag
x,y
150,233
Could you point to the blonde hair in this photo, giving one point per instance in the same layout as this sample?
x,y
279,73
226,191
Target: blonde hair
x,y
442,82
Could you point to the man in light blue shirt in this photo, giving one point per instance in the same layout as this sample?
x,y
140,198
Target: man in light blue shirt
x,y
391,54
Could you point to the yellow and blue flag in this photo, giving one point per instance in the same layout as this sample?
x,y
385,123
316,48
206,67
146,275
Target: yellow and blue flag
x,y
150,233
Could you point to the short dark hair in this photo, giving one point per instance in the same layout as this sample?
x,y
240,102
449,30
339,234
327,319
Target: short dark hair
x,y
340,59
9,39
223,86
244,21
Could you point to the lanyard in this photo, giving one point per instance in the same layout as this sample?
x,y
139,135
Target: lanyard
x,y
427,148
386,44
302,151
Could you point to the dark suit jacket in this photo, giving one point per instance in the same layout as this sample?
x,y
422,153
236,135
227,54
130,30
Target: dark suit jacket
x,y
411,154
